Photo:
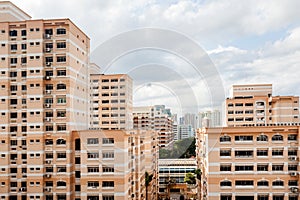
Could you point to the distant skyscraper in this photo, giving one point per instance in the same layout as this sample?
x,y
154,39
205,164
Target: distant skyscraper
x,y
210,119
184,131
190,119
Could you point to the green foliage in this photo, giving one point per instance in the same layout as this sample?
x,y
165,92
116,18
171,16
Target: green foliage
x,y
190,178
148,178
185,148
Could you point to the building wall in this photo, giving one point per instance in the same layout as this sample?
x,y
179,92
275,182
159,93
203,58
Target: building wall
x,y
111,101
156,118
254,104
235,155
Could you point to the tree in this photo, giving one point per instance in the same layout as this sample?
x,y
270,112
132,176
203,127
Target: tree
x,y
148,179
198,174
190,178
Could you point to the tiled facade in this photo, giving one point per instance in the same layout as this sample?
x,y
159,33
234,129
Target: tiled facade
x,y
156,118
254,104
44,110
248,163
111,102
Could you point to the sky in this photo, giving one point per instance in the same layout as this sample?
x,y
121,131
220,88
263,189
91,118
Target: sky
x,y
238,41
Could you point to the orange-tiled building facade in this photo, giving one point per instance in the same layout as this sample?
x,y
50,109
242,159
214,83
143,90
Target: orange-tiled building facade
x,y
45,109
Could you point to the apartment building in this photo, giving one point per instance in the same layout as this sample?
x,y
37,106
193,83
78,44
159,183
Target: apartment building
x,y
249,163
183,132
111,102
44,96
156,118
210,119
171,174
111,164
254,104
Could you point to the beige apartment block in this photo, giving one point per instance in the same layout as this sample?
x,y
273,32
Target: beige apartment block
x,y
44,96
249,163
254,104
111,102
111,164
156,118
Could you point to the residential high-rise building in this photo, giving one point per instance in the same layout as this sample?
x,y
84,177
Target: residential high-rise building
x,y
190,119
111,164
254,104
111,102
47,151
156,118
184,131
247,163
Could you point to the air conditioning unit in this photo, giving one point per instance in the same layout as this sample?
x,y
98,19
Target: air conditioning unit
x,y
294,189
47,189
48,119
47,36
47,105
47,77
48,162
48,91
48,49
293,158
48,64
293,174
48,175
22,189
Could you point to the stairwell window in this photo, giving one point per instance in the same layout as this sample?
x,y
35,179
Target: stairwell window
x,y
61,31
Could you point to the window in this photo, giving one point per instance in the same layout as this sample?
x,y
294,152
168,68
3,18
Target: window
x,y
60,141
108,141
277,137
61,45
13,47
61,127
225,167
23,46
108,155
278,197
225,183
61,155
244,153
277,167
108,184
13,60
61,100
107,169
225,152
61,184
13,33
93,184
292,137
277,152
262,197
244,183
61,113
61,73
292,152
61,59
92,141
262,138
293,183
244,138
93,155
61,31
61,169
292,167
244,168
61,86
278,183
262,152
108,197
225,138
226,197
93,169
263,183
